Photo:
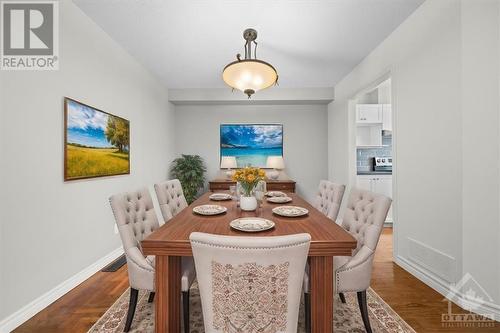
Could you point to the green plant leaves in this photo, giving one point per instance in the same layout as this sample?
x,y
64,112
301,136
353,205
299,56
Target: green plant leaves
x,y
190,170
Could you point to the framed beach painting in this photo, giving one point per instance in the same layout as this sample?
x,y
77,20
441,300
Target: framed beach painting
x,y
251,144
96,143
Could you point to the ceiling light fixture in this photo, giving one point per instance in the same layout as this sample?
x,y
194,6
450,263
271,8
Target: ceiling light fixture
x,y
250,74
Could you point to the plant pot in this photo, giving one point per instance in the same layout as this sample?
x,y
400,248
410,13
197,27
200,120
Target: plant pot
x,y
248,203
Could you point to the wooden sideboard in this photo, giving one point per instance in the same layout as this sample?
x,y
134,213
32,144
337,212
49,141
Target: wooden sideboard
x,y
272,185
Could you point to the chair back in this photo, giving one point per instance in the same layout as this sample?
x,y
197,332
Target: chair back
x,y
171,198
364,217
329,198
136,218
250,284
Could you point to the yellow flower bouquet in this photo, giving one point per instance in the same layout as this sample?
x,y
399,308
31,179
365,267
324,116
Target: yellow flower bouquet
x,y
249,178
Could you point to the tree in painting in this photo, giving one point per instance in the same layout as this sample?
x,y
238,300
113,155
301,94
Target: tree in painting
x,y
117,133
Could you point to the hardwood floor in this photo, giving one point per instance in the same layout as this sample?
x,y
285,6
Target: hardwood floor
x,y
419,305
79,309
416,303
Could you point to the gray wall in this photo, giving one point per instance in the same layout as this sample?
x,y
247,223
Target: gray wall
x,y
444,65
304,128
52,230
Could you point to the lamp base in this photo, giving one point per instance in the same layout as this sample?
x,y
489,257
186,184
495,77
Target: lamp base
x,y
274,174
229,174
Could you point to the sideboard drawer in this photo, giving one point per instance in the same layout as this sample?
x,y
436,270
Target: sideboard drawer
x,y
277,185
288,187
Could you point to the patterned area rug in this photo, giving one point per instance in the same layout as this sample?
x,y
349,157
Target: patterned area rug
x,y
347,318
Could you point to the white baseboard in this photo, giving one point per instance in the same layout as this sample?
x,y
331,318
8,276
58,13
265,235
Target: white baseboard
x,y
14,320
444,288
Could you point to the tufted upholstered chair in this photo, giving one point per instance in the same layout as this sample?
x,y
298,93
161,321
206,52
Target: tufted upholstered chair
x,y
250,284
171,198
329,198
136,219
364,219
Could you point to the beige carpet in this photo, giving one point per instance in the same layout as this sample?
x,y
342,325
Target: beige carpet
x,y
347,319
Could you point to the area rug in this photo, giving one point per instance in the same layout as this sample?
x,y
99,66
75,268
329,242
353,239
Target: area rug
x,y
347,318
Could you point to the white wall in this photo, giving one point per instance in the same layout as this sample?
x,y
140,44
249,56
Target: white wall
x,y
443,61
481,142
304,136
52,230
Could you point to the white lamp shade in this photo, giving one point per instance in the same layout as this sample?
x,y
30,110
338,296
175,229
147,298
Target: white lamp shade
x,y
275,162
249,74
228,162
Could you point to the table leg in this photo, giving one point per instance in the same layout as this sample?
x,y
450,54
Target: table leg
x,y
168,294
321,294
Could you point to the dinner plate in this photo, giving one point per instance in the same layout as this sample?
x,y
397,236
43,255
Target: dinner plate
x,y
275,194
279,199
290,211
220,196
251,224
209,209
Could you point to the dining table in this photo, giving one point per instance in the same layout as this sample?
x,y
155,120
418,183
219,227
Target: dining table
x,y
170,243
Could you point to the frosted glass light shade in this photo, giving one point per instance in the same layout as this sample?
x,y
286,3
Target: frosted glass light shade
x,y
275,162
249,75
228,162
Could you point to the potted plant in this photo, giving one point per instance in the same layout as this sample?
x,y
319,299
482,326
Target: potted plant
x,y
248,178
190,170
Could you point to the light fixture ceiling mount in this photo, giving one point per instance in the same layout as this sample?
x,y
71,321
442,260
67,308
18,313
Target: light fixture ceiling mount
x,y
250,74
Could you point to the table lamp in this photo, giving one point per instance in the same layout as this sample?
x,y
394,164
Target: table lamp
x,y
276,163
228,162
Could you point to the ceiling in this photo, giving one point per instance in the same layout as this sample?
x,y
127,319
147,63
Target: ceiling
x,y
187,43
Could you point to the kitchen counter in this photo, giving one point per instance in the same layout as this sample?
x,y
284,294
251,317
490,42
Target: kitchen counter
x,y
361,173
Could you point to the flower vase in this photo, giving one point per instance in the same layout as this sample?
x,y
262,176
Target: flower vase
x,y
248,203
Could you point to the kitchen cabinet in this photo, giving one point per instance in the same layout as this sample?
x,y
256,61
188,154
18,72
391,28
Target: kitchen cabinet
x,y
379,184
369,113
387,117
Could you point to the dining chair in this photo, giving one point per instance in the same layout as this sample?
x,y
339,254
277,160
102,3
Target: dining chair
x,y
329,198
136,219
364,219
170,197
250,284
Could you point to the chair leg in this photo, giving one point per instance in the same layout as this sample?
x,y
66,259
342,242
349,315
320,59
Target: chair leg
x,y
131,308
342,297
307,311
363,307
185,308
151,297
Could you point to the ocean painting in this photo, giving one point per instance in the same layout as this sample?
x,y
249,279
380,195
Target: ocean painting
x,y
251,144
96,142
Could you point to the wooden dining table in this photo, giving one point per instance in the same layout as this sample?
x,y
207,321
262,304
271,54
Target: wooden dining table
x,y
170,242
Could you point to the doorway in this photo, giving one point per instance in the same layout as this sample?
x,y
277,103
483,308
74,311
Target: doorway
x,y
371,146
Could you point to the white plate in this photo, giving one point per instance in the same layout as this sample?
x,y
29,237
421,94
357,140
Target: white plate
x,y
220,196
290,211
209,209
279,199
251,224
275,194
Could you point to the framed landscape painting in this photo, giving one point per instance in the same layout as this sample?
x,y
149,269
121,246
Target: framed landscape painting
x,y
251,144
96,143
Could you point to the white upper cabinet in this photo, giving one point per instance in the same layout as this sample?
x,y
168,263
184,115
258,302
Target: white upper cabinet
x,y
387,117
369,113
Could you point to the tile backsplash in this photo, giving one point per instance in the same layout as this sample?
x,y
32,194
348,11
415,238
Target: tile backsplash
x,y
364,156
